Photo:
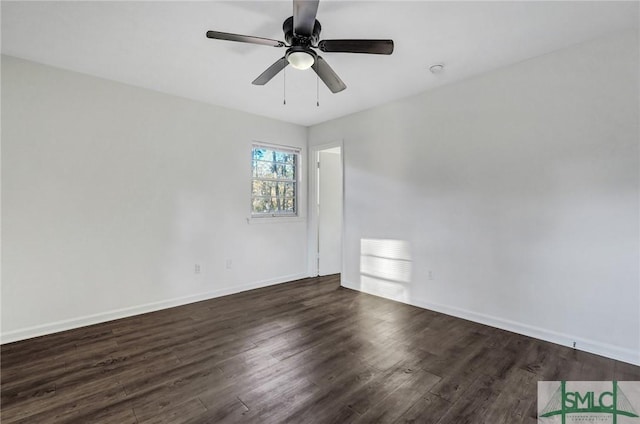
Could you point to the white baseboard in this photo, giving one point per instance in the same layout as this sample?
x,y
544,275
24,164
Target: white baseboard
x,y
69,324
603,349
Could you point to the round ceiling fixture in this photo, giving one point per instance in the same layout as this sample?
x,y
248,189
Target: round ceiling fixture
x,y
438,68
300,58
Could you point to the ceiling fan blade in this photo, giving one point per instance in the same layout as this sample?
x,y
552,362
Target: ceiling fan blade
x,y
304,16
271,71
328,76
217,35
357,46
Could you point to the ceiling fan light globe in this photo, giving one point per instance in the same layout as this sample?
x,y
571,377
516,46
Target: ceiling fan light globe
x,y
301,60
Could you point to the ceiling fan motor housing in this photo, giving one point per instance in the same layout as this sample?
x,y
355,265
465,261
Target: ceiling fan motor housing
x,y
300,40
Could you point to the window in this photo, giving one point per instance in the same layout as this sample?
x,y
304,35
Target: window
x,y
274,181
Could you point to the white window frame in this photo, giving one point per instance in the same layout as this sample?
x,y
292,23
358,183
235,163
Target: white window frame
x,y
297,172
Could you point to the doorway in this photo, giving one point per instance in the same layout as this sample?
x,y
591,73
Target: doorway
x,y
328,201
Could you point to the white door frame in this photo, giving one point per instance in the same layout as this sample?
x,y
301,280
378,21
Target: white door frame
x,y
313,223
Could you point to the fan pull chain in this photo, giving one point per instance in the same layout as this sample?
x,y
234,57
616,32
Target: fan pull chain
x,y
317,91
284,86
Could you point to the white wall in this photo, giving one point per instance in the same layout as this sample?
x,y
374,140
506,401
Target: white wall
x,y
518,190
111,194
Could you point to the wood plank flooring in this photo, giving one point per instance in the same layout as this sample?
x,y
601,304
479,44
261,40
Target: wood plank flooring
x,y
308,351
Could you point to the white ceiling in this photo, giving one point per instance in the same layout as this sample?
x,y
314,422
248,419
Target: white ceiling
x,y
162,45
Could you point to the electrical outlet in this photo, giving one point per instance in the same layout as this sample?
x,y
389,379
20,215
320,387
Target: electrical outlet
x,y
228,264
196,269
430,275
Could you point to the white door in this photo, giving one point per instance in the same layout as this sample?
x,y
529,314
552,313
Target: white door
x,y
329,211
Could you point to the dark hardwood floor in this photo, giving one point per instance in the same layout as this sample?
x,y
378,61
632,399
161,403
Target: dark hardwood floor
x,y
302,352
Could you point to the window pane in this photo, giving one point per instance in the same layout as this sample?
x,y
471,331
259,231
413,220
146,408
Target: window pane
x,y
261,205
275,170
262,153
262,169
288,189
274,205
273,188
284,157
284,171
288,205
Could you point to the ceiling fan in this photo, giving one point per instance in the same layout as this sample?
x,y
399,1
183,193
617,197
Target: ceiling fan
x,y
302,32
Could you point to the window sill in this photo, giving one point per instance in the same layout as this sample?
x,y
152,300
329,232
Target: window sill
x,y
275,219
